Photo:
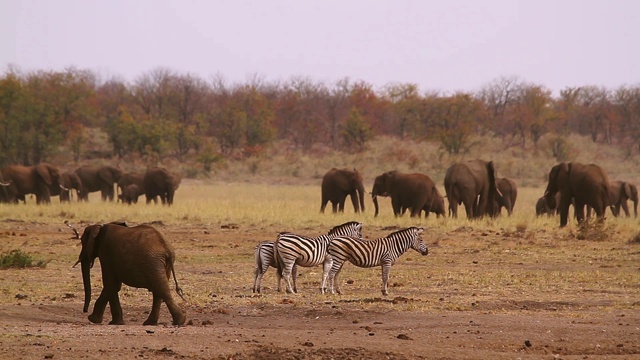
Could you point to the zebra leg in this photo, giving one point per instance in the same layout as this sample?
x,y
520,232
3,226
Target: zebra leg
x,y
286,274
294,275
333,276
257,279
386,268
326,268
279,279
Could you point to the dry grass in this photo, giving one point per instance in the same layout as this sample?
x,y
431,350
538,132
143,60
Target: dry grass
x,y
495,265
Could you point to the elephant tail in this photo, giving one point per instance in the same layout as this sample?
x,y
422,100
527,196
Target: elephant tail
x,y
178,288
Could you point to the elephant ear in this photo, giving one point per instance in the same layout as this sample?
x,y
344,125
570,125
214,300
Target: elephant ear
x,y
627,189
44,173
90,244
106,174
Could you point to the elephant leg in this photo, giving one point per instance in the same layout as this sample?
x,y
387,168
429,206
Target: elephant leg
x,y
334,206
468,206
341,204
323,205
100,306
155,310
625,207
116,310
354,201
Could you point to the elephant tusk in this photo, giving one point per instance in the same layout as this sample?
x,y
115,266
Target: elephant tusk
x,y
63,188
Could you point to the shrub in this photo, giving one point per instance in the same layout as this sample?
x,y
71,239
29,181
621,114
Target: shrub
x,y
20,260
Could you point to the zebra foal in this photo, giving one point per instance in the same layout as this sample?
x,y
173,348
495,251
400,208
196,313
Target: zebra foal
x,y
382,252
265,258
291,250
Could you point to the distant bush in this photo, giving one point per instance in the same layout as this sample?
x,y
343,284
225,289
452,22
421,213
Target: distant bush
x,y
19,259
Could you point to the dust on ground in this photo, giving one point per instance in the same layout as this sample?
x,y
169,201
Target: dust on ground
x,y
41,314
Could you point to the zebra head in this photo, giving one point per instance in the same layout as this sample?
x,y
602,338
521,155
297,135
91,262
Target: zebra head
x,y
417,244
351,228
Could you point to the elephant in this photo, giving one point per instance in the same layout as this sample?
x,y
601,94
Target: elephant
x,y
543,208
437,207
129,178
98,178
619,193
136,256
23,180
337,184
586,185
68,181
407,191
508,194
160,182
472,183
130,194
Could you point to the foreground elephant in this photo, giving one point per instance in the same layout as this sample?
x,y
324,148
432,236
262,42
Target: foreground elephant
x,y
98,178
337,184
619,193
472,183
24,180
159,182
68,181
508,194
416,192
136,256
586,185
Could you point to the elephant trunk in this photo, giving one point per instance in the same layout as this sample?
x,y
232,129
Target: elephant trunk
x,y
360,191
375,203
86,280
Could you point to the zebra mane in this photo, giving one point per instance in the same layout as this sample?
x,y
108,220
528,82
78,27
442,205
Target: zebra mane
x,y
402,231
335,228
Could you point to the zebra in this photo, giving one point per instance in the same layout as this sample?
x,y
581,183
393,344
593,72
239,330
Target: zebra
x,y
369,253
265,258
291,250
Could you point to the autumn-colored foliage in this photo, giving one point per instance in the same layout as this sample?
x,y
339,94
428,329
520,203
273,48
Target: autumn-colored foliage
x,y
165,113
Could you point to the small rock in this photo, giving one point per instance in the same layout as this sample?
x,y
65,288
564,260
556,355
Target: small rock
x,y
150,331
48,356
404,337
307,343
527,343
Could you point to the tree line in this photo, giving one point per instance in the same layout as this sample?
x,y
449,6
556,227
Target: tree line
x,y
166,113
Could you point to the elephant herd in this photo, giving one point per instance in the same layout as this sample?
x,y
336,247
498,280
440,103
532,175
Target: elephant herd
x,y
45,180
474,185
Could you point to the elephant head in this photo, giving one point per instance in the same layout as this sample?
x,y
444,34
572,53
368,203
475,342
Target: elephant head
x,y
381,187
90,249
558,177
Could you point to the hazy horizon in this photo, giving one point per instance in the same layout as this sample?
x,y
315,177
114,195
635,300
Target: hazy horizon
x,y
452,46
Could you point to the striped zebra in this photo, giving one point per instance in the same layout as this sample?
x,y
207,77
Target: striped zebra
x,y
369,253
265,258
292,250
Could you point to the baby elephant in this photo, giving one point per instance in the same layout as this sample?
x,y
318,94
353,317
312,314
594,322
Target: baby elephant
x,y
130,194
136,256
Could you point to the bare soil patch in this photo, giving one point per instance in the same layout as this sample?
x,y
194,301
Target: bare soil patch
x,y
476,296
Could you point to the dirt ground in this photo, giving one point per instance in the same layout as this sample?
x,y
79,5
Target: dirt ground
x,y
41,309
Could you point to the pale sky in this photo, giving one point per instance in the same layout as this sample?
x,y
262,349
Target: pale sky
x,y
438,45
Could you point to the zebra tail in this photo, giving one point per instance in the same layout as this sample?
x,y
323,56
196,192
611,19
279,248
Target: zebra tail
x,y
276,258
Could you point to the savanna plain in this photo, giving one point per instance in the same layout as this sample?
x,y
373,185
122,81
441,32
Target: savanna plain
x,y
509,287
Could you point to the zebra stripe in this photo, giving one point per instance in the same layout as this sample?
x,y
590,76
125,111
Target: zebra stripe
x,y
265,258
369,253
292,249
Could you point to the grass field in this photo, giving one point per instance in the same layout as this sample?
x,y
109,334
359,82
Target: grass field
x,y
521,266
